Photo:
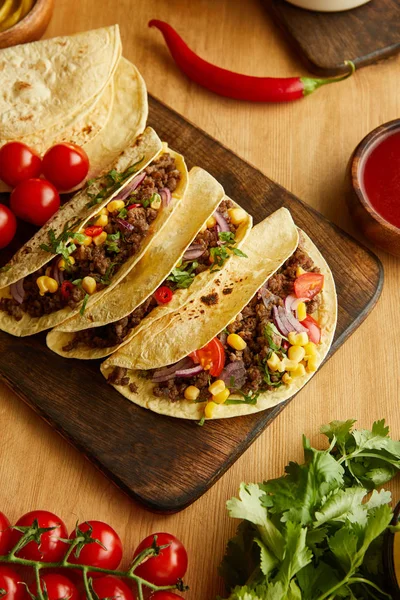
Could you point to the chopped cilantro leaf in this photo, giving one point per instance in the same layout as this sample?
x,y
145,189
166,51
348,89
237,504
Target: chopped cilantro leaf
x,y
250,398
77,282
238,252
269,331
122,213
227,237
184,275
202,421
83,307
111,183
106,280
111,244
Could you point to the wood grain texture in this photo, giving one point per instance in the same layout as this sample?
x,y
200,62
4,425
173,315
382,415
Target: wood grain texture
x,y
305,146
325,40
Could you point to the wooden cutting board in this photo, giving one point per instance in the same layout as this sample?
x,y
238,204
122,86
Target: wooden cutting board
x,y
168,463
325,40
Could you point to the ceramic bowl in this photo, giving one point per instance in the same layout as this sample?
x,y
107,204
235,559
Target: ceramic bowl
x,y
328,5
31,27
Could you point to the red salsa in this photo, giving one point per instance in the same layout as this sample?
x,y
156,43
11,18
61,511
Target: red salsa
x,y
381,178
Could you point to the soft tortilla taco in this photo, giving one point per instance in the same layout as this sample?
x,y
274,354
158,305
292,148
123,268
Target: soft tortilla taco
x,y
208,228
87,261
252,340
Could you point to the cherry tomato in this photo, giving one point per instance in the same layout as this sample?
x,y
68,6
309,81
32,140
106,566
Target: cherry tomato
x,y
66,289
65,165
5,534
51,548
163,295
166,568
18,163
314,330
110,587
8,225
308,285
95,555
165,595
11,582
35,201
93,230
211,357
57,586
135,206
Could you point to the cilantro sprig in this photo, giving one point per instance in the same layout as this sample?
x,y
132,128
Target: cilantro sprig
x,y
63,244
111,242
182,277
314,533
220,254
112,182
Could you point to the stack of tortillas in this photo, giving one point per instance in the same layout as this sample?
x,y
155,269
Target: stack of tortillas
x,y
72,89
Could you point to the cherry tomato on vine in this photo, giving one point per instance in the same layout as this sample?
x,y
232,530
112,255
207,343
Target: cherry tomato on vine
x,y
5,534
51,548
111,587
18,162
57,586
94,554
165,595
166,568
65,165
11,582
8,227
35,201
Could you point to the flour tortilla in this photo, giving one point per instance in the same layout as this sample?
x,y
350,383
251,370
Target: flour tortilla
x,y
201,200
46,82
30,325
31,257
170,339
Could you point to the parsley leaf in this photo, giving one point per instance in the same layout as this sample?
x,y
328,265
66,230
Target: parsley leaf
x,y
219,255
64,243
184,275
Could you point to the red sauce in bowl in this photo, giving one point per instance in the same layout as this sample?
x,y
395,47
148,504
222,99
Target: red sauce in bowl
x,y
380,177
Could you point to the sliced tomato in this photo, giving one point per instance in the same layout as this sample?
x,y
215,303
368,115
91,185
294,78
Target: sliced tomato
x,y
211,357
163,295
93,230
308,285
314,330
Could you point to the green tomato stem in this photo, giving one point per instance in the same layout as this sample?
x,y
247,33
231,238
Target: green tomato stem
x,y
37,579
86,584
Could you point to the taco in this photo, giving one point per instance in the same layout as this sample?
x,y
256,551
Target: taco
x,y
251,341
88,260
208,227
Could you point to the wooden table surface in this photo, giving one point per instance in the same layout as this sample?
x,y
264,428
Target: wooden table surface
x,y
305,147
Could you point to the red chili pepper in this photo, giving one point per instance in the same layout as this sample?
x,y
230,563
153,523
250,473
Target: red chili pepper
x,y
134,206
235,85
66,289
163,295
93,230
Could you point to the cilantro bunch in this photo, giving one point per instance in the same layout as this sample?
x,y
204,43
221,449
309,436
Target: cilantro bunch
x,y
316,533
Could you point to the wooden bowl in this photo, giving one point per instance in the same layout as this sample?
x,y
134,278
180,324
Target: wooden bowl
x,y
31,27
382,233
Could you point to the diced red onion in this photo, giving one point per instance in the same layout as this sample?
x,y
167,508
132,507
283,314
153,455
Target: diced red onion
x,y
281,324
285,344
291,319
17,291
292,302
131,187
55,272
234,372
222,223
189,372
166,196
194,251
125,225
168,373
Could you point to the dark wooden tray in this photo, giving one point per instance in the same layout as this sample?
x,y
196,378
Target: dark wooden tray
x,y
325,40
155,459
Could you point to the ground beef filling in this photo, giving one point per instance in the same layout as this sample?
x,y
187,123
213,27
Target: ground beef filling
x,y
102,262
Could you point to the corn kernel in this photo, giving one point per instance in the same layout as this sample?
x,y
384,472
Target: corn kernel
x,y
299,372
115,205
216,387
48,271
310,350
237,215
312,364
236,342
298,339
100,239
281,366
192,392
156,202
104,211
301,311
209,410
300,271
290,365
273,362
211,222
287,379
222,396
296,353
62,264
46,284
101,221
89,285
86,241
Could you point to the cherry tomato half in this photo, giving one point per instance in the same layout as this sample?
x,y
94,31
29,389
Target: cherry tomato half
x,y
5,534
8,225
35,201
93,230
57,586
11,582
18,163
308,285
211,357
163,295
66,289
166,568
65,165
110,587
51,548
165,595
314,330
95,555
